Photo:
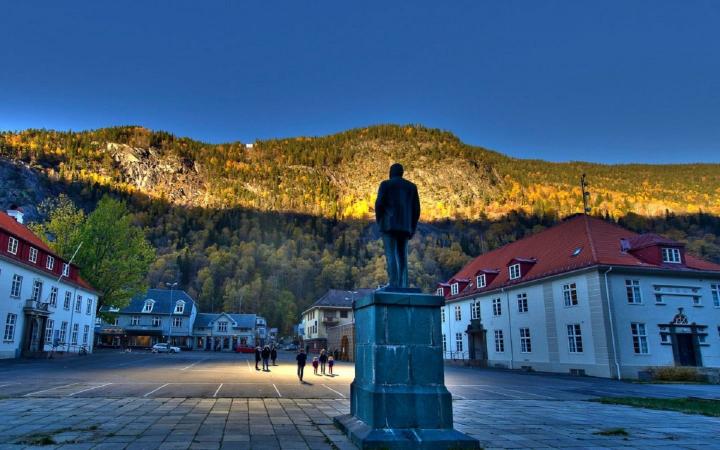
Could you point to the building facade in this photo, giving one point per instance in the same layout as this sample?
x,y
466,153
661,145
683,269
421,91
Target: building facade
x,y
333,309
44,303
226,332
585,296
159,315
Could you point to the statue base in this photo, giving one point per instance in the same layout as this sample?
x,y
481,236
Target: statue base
x,y
398,398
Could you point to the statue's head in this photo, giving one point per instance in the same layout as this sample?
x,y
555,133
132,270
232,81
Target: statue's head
x,y
396,170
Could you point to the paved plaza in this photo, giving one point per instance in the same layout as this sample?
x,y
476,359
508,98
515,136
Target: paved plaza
x,y
139,400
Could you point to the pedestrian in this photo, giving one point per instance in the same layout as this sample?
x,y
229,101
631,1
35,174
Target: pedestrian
x,y
331,363
257,357
301,358
266,358
315,365
323,360
273,355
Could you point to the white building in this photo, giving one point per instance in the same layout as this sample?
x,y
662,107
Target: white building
x,y
585,296
331,310
44,303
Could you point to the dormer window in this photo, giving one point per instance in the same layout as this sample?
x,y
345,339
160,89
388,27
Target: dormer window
x,y
222,326
440,291
66,270
50,263
454,288
33,255
480,281
12,245
179,307
671,255
514,271
148,307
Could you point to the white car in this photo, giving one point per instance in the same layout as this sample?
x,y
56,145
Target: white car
x,y
165,348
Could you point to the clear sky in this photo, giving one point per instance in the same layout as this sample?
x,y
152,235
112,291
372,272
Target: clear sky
x,y
608,81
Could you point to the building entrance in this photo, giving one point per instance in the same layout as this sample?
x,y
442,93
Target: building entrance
x,y
685,350
477,347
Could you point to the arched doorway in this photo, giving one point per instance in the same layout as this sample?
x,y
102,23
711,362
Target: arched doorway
x,y
345,349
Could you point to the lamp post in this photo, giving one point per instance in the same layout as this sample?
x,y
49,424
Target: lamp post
x,y
171,286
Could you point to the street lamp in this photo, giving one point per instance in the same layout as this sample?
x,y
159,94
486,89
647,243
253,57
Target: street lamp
x,y
171,286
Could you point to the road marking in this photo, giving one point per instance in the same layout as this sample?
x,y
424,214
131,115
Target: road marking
x,y
530,393
88,389
156,389
191,365
338,393
132,362
248,363
458,396
3,385
276,390
218,390
514,397
45,390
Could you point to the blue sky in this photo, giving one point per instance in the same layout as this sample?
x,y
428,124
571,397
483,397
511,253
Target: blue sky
x,y
610,81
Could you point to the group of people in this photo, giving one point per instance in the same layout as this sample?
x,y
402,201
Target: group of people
x,y
323,361
266,354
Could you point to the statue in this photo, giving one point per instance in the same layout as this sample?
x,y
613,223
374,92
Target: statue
x,y
397,210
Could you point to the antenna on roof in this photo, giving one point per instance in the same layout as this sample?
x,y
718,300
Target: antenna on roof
x,y
585,194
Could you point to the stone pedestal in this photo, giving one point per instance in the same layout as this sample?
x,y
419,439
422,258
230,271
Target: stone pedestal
x,y
398,398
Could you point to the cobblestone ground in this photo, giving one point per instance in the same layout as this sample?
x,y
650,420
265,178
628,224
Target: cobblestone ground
x,y
182,423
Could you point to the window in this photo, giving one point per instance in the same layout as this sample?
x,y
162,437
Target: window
x,y
68,297
444,342
442,314
475,310
86,332
49,331
74,335
12,245
66,270
343,314
135,320
570,294
156,321
78,303
63,332
179,307
632,287
33,255
514,271
525,344
458,312
50,263
89,308
671,255
10,321
458,342
497,307
116,321
574,338
177,322
454,289
480,281
522,302
715,292
53,296
37,290
222,326
440,291
16,286
639,337
148,306
499,341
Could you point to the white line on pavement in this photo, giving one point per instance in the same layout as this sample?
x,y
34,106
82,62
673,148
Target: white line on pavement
x,y
492,391
191,365
88,389
156,389
248,363
3,385
529,393
276,390
45,390
218,390
338,393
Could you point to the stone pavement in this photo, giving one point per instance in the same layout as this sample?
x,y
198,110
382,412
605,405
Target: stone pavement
x,y
279,423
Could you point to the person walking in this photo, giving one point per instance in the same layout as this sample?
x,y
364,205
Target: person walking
x,y
266,358
273,355
301,359
331,363
257,357
323,360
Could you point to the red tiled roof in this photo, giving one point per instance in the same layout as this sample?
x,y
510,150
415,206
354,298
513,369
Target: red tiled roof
x,y
20,231
553,248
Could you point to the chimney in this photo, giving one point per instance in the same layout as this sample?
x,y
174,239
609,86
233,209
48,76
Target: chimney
x,y
16,213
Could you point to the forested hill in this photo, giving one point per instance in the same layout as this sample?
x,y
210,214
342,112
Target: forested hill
x,y
337,176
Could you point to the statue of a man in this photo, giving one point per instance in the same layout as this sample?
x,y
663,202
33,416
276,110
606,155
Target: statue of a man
x,y
397,210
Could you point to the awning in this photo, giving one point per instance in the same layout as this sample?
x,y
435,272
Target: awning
x,y
144,333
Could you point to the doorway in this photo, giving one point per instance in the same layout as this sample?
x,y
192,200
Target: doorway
x,y
686,351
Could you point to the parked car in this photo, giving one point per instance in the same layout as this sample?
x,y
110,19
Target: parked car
x,y
165,348
291,347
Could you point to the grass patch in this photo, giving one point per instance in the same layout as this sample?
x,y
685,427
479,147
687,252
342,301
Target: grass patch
x,y
687,405
37,439
613,432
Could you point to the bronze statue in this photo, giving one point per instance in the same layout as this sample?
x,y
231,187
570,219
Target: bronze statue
x,y
397,210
